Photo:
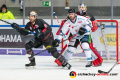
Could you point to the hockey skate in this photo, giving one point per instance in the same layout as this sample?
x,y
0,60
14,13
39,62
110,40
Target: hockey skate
x,y
30,65
89,65
67,66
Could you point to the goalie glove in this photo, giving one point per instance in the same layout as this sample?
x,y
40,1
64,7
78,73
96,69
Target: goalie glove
x,y
82,31
56,43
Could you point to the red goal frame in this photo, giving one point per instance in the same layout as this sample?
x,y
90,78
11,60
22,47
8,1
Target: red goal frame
x,y
117,35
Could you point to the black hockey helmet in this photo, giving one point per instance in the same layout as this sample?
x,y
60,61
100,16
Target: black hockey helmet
x,y
71,11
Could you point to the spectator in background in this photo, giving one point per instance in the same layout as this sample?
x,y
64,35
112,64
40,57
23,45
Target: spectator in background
x,y
5,14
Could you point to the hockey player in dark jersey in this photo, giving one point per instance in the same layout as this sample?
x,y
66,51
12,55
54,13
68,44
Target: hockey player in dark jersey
x,y
43,36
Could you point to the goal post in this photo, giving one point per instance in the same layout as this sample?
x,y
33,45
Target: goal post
x,y
117,34
102,27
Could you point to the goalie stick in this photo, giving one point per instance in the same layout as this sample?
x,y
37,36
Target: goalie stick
x,y
100,71
56,18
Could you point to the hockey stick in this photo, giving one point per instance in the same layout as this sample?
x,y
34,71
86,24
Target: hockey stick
x,y
56,18
50,47
24,29
100,71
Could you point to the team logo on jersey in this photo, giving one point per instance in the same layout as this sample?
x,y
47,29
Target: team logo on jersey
x,y
72,74
45,25
36,26
30,28
79,21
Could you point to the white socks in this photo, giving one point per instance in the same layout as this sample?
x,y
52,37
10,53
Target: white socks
x,y
69,52
87,50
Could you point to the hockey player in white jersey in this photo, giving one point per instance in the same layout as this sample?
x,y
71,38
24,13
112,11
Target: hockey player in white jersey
x,y
77,25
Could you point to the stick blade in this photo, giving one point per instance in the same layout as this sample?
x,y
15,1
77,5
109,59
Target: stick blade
x,y
100,71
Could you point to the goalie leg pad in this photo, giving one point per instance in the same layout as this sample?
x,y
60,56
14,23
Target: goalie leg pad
x,y
100,60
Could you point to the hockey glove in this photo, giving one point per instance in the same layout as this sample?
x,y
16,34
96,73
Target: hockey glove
x,y
15,26
38,33
82,31
55,43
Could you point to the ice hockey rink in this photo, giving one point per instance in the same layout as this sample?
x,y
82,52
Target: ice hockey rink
x,y
12,67
12,44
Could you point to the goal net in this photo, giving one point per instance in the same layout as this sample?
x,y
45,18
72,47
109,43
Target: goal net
x,y
105,39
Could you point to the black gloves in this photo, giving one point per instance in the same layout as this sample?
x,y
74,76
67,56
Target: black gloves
x,y
38,33
15,26
55,43
82,31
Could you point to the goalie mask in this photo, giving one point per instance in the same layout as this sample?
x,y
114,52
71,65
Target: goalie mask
x,y
82,8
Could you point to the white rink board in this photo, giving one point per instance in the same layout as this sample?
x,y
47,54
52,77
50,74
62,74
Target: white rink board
x,y
95,36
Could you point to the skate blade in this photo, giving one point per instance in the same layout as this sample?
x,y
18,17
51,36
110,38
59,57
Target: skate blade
x,y
67,68
89,68
30,67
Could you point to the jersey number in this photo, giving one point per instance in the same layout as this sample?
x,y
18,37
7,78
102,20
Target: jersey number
x,y
89,23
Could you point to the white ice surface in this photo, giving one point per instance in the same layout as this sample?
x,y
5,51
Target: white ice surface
x,y
12,68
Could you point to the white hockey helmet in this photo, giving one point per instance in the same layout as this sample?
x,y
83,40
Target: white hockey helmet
x,y
82,8
33,13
